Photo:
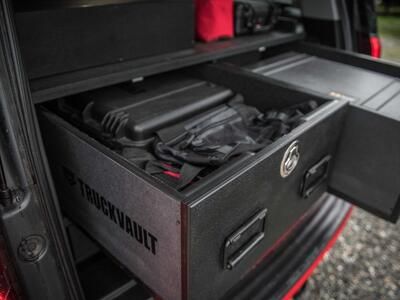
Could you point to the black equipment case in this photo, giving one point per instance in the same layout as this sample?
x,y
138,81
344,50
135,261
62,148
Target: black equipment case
x,y
253,16
62,36
197,243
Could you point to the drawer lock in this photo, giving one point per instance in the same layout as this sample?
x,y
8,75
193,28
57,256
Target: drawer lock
x,y
290,159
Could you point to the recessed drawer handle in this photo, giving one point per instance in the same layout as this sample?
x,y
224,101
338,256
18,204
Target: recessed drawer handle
x,y
232,262
314,177
243,240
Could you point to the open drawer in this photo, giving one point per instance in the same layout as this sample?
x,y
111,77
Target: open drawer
x,y
197,243
367,166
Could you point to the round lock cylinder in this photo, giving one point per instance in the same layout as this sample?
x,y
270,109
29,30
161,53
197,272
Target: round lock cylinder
x,y
290,159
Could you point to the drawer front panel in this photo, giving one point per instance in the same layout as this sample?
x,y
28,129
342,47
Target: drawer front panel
x,y
258,187
367,170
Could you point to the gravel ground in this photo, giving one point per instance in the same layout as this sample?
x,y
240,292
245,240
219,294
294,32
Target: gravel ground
x,y
363,264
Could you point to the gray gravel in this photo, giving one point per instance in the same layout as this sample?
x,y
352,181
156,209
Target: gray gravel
x,y
363,264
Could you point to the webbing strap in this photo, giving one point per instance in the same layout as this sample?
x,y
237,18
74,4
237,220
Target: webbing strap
x,y
183,176
188,174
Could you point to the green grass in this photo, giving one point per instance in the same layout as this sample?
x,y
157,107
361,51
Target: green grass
x,y
389,26
393,9
389,32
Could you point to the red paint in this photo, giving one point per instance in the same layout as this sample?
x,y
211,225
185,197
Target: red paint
x,y
376,47
299,284
8,289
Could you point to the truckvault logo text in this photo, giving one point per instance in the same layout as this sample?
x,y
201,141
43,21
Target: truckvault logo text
x,y
127,224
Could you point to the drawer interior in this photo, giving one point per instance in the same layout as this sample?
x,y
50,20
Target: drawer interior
x,y
323,75
129,118
329,72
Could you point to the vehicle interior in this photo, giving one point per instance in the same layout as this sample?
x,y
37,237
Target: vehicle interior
x,y
116,98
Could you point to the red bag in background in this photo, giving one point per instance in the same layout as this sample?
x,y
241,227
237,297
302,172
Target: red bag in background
x,y
214,19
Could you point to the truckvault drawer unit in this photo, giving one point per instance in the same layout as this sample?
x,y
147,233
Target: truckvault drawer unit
x,y
196,243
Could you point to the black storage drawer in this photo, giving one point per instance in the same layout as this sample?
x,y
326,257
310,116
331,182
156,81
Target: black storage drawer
x,y
64,36
367,166
197,243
